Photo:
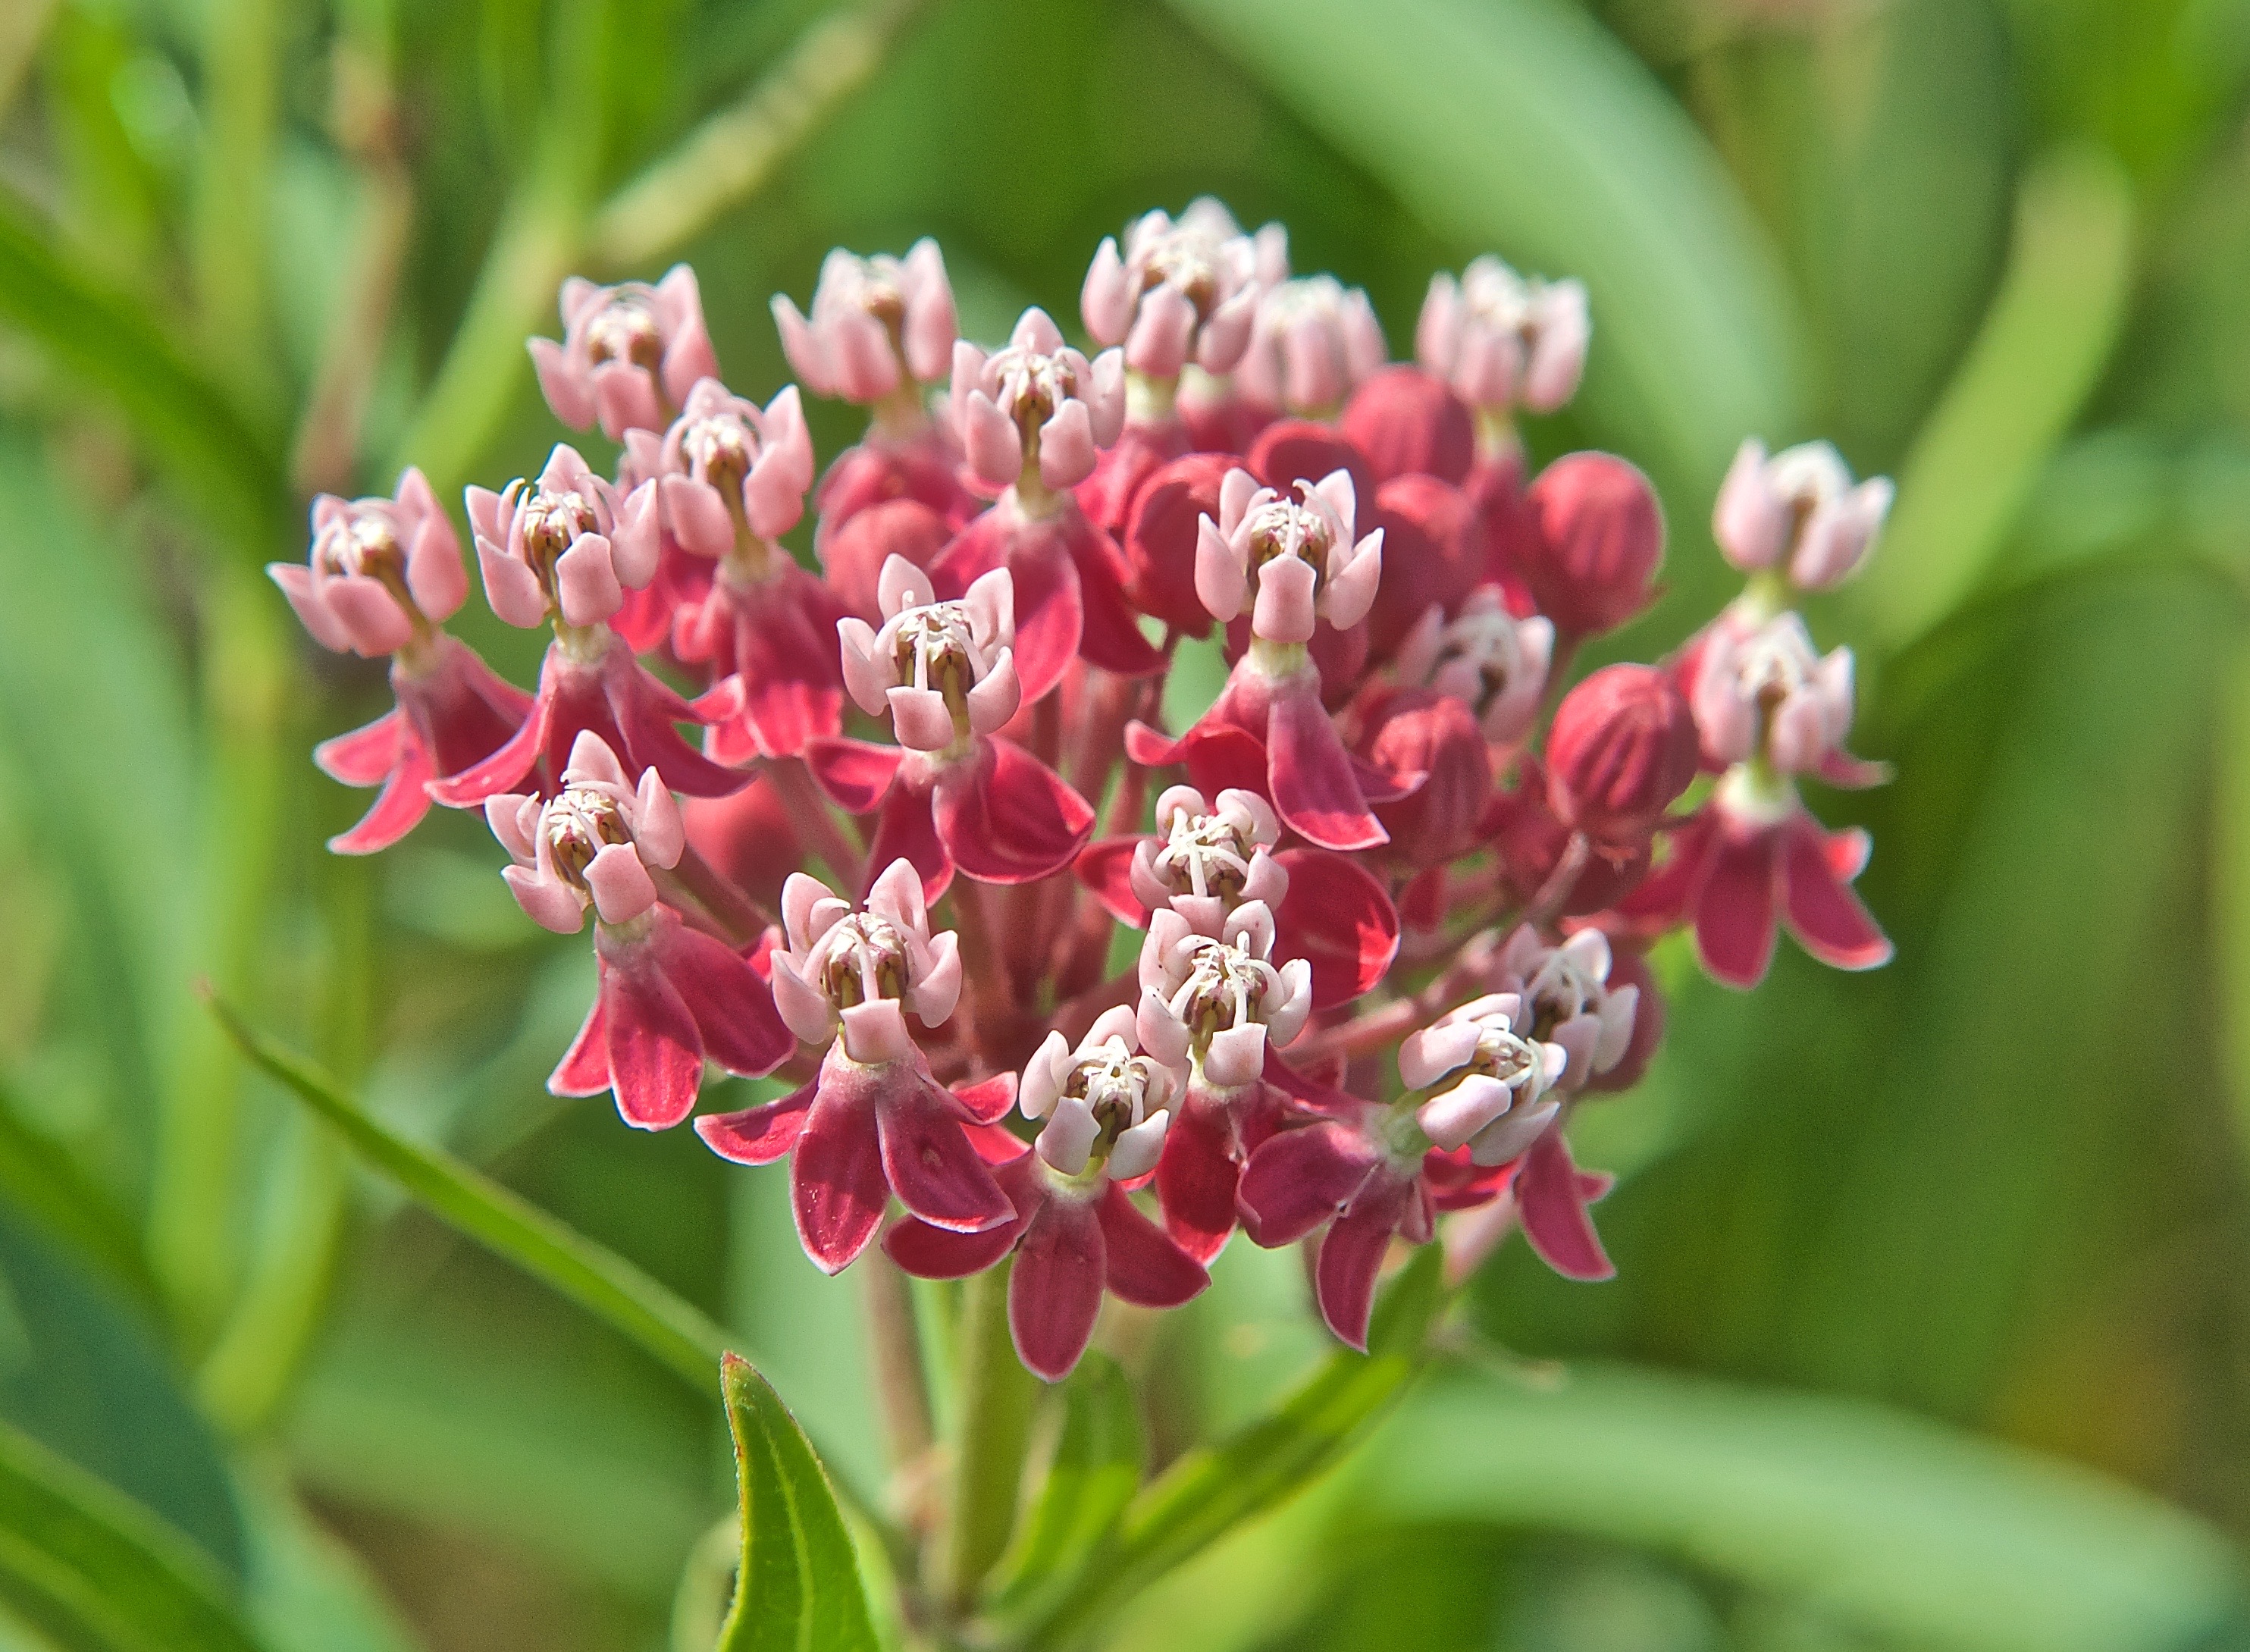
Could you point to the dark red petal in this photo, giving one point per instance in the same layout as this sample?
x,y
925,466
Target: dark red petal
x,y
1552,1197
1050,613
1196,1181
836,1180
1299,1178
1160,536
905,831
1144,1266
584,1068
1111,637
1107,497
1106,869
988,1100
398,807
645,711
1007,818
1350,1257
734,1010
1735,911
930,1164
855,774
1315,787
1455,1181
1294,450
759,1135
366,755
656,1056
747,837
938,1253
1404,420
1054,1291
506,768
1668,895
1826,916
1337,916
786,653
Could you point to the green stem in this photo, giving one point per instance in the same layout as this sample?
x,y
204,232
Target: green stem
x,y
996,1398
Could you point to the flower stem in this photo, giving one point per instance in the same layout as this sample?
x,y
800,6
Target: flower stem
x,y
1555,893
740,918
996,1400
816,827
902,1389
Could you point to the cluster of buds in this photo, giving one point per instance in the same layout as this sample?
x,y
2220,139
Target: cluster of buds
x,y
1394,897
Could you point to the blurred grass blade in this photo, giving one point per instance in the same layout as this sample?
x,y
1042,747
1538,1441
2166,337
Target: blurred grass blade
x,y
95,1571
1526,128
1096,1468
2230,880
1897,1526
1210,1491
675,1332
2037,357
798,1589
42,1181
214,457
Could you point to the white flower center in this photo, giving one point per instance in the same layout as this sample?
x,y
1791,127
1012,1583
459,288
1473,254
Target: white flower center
x,y
626,330
363,541
1205,854
579,823
861,958
1224,986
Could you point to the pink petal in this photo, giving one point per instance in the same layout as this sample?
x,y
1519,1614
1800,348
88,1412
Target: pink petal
x,y
1106,870
836,1180
398,809
1551,1196
921,719
759,1135
697,515
619,883
855,775
988,1100
1350,1258
656,1056
1824,914
994,445
1106,301
1298,1179
1054,1292
1010,819
930,1164
366,756
569,398
1142,1265
1050,612
584,1068
1315,787
1337,915
1735,911
626,398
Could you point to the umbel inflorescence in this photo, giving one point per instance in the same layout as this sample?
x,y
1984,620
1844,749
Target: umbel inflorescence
x,y
1393,887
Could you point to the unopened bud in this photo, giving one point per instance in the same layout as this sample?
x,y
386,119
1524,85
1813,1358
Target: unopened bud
x,y
1622,748
1598,537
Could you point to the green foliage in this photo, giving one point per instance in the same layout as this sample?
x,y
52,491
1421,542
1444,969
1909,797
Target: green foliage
x,y
799,1587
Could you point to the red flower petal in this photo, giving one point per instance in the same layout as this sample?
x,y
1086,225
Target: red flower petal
x,y
1350,1259
1159,539
1054,1291
656,1056
1107,497
1735,910
905,831
1300,1177
1404,420
1315,787
1106,870
734,1010
1007,818
645,712
365,756
1828,920
1432,554
759,1135
855,774
930,1164
936,1253
836,1180
398,808
1552,1197
855,553
1142,1265
584,1068
1050,610
1196,1181
1294,450
1337,915
988,1100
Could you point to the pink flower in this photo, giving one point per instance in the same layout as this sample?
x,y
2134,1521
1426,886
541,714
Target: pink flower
x,y
1036,406
1181,291
629,354
1213,997
879,325
953,793
1369,1175
1075,1231
563,546
380,577
1595,537
1569,999
381,571
1503,340
670,995
874,1121
1207,859
1763,692
1623,746
1798,511
1286,562
727,469
1484,656
1751,860
1310,344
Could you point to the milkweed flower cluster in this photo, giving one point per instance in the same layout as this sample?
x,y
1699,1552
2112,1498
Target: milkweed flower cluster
x,y
870,816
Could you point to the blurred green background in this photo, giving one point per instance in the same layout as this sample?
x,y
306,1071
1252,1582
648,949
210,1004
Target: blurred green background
x,y
1932,1321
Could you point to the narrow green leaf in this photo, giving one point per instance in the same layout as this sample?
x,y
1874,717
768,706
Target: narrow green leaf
x,y
1900,1526
1527,128
1210,1491
675,1332
1095,1470
95,1571
2230,879
2037,357
798,1589
39,1178
215,457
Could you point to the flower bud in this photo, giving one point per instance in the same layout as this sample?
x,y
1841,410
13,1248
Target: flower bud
x,y
630,353
1597,536
591,844
879,324
856,554
1417,731
1409,423
1161,534
1798,511
1037,403
1311,343
1103,1098
1287,561
1622,748
858,973
1181,291
1504,341
944,670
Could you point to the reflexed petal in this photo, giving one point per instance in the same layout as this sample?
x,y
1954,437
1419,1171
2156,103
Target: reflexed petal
x,y
1313,784
584,1068
656,1055
1196,1180
759,1135
1054,1291
1142,1265
1299,1178
1824,914
930,1165
1552,1197
836,1180
937,1253
1350,1258
1010,819
1337,915
1734,913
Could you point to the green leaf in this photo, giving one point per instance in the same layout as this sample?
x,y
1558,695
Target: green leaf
x,y
1527,128
1897,1526
96,1571
216,458
2037,357
1212,1490
2230,878
675,1332
798,1589
1095,1470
